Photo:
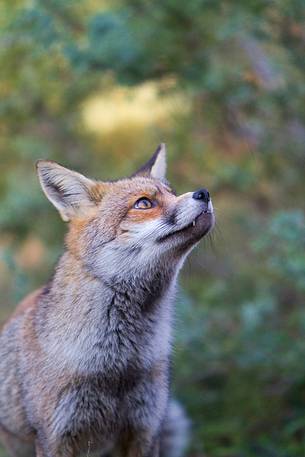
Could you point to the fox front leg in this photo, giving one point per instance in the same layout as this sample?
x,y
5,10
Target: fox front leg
x,y
155,451
39,450
42,450
142,448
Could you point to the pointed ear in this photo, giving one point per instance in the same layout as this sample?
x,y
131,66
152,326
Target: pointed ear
x,y
69,191
156,166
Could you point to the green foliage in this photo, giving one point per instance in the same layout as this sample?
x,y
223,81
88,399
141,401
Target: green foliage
x,y
239,66
239,366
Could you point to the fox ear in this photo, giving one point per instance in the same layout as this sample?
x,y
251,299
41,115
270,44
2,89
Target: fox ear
x,y
156,165
69,191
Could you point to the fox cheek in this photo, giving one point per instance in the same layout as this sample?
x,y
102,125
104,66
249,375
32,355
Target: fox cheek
x,y
123,233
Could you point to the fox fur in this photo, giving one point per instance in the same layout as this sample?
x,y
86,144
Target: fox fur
x,y
84,361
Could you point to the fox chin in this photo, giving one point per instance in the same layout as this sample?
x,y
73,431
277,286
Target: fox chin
x,y
84,361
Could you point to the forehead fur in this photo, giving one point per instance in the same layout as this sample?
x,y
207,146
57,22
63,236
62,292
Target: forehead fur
x,y
132,186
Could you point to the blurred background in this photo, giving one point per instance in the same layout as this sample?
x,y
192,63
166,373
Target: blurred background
x,y
97,85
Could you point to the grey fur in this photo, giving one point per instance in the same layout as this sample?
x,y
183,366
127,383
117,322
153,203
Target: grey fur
x,y
87,366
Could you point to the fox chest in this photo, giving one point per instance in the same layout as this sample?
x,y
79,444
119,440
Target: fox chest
x,y
120,376
115,347
100,409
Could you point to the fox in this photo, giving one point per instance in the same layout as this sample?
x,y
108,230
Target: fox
x,y
85,360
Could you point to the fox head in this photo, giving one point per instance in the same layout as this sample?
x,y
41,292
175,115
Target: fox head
x,y
130,226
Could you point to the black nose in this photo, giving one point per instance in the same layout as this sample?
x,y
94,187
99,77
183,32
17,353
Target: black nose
x,y
202,194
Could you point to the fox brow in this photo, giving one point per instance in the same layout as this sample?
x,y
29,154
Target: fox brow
x,y
165,183
168,187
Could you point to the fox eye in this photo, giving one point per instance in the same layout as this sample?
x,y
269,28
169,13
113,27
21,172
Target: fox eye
x,y
143,203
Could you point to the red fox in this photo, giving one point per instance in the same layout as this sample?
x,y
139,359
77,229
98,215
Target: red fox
x,y
84,361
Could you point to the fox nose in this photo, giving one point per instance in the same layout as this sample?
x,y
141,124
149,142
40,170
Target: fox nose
x,y
202,194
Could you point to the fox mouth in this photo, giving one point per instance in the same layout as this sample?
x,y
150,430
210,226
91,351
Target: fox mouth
x,y
187,227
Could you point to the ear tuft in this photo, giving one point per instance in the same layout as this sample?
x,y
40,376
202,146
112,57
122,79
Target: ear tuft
x,y
158,170
69,191
156,165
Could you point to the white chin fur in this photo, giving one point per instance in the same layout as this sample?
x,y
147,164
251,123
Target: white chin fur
x,y
210,207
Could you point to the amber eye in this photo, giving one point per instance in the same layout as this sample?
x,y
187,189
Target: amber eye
x,y
143,203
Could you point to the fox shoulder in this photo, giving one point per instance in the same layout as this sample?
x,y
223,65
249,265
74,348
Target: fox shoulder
x,y
28,302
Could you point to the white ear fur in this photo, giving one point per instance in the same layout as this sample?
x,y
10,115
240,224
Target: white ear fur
x,y
158,170
156,165
66,189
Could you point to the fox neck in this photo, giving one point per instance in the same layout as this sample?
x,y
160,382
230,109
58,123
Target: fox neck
x,y
103,326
